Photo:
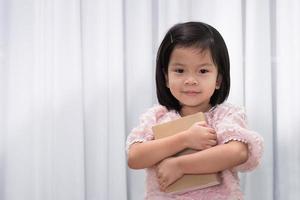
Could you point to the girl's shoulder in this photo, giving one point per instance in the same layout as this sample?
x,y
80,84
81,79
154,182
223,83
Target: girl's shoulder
x,y
227,109
154,113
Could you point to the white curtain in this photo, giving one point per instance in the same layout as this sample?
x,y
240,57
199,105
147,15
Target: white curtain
x,y
75,76
62,100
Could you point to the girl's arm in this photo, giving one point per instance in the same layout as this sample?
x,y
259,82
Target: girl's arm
x,y
212,160
215,159
229,154
147,154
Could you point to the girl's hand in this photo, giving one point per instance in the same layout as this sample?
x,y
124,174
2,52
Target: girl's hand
x,y
200,136
168,171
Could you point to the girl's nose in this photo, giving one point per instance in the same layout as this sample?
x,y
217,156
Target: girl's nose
x,y
191,81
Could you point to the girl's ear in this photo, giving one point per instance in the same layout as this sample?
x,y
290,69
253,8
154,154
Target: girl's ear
x,y
218,82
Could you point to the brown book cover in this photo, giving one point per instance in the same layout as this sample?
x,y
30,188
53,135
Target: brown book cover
x,y
187,182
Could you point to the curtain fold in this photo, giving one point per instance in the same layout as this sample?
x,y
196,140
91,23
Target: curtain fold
x,y
76,75
43,138
139,72
64,100
258,93
287,62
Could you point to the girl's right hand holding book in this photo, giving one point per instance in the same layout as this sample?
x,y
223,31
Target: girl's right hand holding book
x,y
199,136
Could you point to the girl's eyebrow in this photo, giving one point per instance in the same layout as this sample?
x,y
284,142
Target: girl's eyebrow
x,y
201,65
206,64
177,63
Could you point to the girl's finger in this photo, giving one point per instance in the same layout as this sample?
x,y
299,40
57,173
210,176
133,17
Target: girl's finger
x,y
213,136
211,130
212,142
161,184
202,123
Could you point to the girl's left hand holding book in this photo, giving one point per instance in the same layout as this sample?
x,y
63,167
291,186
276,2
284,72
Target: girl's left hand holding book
x,y
168,171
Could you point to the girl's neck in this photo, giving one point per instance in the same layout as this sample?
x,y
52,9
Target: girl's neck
x,y
186,110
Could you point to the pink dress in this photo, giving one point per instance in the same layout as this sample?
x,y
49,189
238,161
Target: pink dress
x,y
229,123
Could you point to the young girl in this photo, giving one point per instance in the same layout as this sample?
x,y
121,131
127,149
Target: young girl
x,y
192,75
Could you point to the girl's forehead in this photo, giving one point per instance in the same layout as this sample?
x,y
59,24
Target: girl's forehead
x,y
189,53
196,48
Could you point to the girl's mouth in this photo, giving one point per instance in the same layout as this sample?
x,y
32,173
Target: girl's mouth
x,y
191,93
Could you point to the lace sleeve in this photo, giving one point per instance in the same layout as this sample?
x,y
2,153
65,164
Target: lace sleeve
x,y
143,132
233,127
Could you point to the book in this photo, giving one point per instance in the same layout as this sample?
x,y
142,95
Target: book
x,y
187,182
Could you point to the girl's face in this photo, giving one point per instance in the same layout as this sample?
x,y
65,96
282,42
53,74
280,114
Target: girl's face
x,y
192,78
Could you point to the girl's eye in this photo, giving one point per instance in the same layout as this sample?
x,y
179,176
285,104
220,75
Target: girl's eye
x,y
179,71
203,71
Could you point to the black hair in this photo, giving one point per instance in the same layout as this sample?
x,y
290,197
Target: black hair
x,y
198,35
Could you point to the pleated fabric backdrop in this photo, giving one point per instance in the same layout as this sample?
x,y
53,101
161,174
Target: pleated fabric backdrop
x,y
75,76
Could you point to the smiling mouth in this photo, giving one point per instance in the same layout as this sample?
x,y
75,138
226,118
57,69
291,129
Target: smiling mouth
x,y
191,93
